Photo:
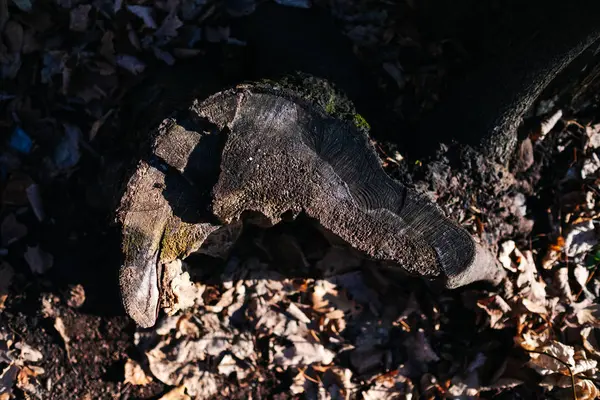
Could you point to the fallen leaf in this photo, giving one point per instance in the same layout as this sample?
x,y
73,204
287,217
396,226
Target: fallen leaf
x,y
297,313
76,296
163,56
562,280
168,28
130,63
534,307
582,274
178,291
546,365
295,3
419,350
589,341
216,35
135,375
176,394
79,18
227,365
506,250
107,48
590,166
580,239
587,312
66,154
39,261
11,230
498,310
553,254
302,351
34,196
28,353
144,13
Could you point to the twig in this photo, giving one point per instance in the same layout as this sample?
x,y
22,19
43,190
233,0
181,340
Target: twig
x,y
583,287
566,364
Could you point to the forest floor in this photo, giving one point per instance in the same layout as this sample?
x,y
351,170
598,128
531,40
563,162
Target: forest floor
x,y
291,313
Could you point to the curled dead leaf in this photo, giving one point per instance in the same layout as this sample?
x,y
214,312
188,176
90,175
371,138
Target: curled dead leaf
x,y
135,375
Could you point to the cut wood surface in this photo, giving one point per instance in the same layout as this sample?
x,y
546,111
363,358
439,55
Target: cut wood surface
x,y
260,149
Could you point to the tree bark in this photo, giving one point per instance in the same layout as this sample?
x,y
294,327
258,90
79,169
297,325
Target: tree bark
x,y
485,109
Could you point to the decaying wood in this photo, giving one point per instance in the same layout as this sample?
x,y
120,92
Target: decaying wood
x,y
272,148
261,149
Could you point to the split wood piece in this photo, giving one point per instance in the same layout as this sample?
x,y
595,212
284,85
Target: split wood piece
x,y
262,150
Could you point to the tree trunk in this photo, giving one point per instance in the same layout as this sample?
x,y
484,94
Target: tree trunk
x,y
485,109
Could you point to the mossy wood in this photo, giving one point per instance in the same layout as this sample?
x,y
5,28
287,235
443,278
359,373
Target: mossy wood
x,y
262,148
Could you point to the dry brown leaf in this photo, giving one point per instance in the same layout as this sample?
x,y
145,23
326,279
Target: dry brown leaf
x,y
582,274
227,365
297,313
532,340
28,353
498,310
27,372
534,307
580,239
135,375
546,365
178,291
504,256
587,312
586,390
76,296
176,394
553,254
589,341
562,281
302,351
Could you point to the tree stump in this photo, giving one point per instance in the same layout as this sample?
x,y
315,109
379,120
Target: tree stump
x,y
295,144
265,149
